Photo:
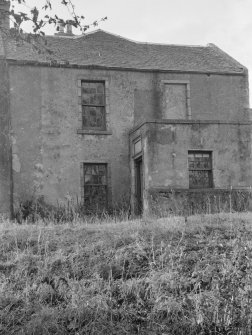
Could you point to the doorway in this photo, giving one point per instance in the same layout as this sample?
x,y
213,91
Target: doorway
x,y
139,185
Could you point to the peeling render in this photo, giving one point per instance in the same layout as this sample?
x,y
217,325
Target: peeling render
x,y
48,147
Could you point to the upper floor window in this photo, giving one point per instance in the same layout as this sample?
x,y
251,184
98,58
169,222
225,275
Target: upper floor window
x,y
93,105
200,169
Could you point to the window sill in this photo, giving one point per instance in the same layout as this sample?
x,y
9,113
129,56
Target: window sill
x,y
93,132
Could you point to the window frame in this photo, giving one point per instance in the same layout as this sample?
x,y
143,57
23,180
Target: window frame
x,y
102,106
210,169
107,187
93,131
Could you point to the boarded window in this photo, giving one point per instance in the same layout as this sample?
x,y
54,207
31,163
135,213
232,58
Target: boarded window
x,y
93,105
95,187
175,101
200,169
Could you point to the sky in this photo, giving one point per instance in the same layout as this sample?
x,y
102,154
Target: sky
x,y
226,23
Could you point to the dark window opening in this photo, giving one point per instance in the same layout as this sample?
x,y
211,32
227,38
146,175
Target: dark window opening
x,y
93,105
95,187
200,169
139,185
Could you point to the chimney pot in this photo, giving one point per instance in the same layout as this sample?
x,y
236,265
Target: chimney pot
x,y
69,29
61,28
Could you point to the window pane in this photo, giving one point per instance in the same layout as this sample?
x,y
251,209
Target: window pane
x,y
199,179
100,88
85,98
102,169
93,105
88,179
199,161
93,117
95,174
200,169
95,198
95,189
93,94
103,180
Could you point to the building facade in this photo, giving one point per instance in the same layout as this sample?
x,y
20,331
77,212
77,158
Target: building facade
x,y
108,121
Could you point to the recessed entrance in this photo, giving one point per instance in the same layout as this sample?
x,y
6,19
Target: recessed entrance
x,y
139,185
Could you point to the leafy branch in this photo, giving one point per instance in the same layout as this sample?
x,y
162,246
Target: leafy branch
x,y
40,18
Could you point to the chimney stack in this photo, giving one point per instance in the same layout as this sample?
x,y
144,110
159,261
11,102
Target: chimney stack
x,y
60,30
4,15
64,31
69,30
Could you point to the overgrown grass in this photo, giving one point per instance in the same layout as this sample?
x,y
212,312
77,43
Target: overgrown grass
x,y
164,276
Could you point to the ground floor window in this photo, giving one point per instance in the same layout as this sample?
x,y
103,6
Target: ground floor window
x,y
200,169
95,187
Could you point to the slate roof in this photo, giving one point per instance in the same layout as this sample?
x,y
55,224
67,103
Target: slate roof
x,y
100,48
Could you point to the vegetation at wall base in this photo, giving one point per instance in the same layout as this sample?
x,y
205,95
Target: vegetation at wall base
x,y
199,201
162,276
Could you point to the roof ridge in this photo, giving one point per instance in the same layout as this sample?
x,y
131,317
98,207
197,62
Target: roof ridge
x,y
127,39
142,43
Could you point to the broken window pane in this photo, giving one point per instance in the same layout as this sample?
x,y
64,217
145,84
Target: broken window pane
x,y
95,198
93,117
93,105
95,187
200,169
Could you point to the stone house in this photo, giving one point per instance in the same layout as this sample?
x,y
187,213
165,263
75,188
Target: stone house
x,y
107,120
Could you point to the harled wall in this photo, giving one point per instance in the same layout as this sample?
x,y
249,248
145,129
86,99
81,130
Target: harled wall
x,y
48,151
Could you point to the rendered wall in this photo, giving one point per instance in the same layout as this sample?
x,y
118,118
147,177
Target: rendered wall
x,y
168,146
5,155
47,151
212,97
165,147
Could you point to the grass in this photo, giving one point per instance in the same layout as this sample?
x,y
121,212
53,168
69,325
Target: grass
x,y
162,276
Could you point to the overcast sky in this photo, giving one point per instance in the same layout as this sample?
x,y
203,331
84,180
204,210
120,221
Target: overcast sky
x,y
227,23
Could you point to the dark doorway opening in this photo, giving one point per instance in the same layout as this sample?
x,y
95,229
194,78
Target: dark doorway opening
x,y
139,185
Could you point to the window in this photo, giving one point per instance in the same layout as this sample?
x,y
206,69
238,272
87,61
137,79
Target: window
x,y
93,105
95,187
137,147
200,169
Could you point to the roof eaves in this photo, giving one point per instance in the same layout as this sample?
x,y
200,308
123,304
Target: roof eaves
x,y
116,68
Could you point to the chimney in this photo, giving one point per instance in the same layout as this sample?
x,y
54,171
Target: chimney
x,y
4,15
69,29
60,30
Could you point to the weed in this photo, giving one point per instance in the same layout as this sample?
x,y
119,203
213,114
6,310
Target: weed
x,y
160,276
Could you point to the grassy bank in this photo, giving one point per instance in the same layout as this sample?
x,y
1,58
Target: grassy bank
x,y
163,276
